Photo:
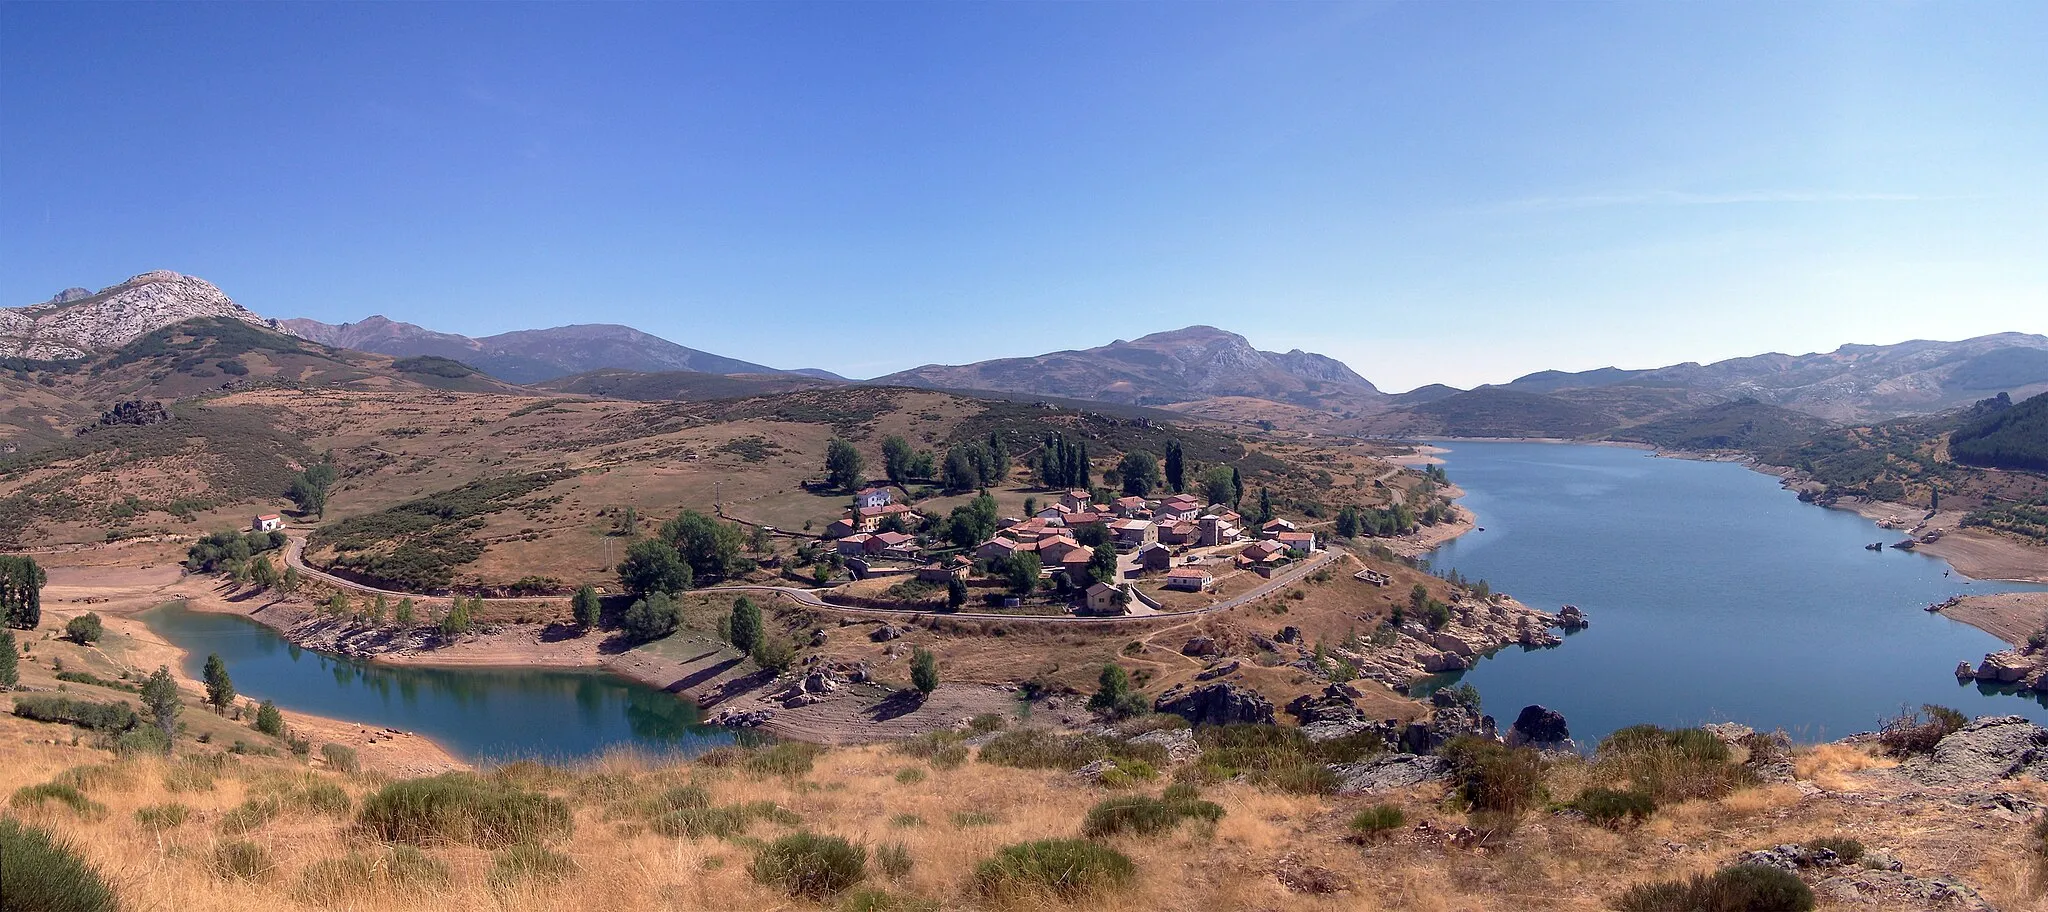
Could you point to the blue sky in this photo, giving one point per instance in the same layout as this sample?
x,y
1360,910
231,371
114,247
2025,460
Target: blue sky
x,y
1433,192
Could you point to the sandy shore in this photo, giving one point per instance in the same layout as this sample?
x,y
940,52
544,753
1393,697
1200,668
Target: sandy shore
x,y
2009,616
1976,553
118,589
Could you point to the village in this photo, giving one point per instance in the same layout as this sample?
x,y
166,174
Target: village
x,y
1131,555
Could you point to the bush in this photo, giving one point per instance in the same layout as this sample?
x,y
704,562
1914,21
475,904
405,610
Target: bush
x,y
1067,868
1128,774
1033,748
1912,732
99,717
988,722
526,860
810,865
974,819
400,867
1377,821
460,807
1671,765
251,814
678,798
1137,815
96,776
159,817
45,873
1743,888
239,860
269,721
698,823
1490,776
29,796
147,739
942,748
790,758
340,758
1611,808
1848,850
85,629
909,775
883,901
893,859
1277,757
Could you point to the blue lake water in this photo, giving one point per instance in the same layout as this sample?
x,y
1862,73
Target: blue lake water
x,y
1715,595
477,714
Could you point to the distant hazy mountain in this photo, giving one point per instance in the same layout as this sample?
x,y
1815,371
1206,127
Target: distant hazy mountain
x,y
76,322
532,355
1198,362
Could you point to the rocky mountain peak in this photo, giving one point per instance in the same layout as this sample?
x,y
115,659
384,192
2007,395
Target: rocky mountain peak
x,y
72,325
69,295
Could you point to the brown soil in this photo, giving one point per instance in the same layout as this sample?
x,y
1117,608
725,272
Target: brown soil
x,y
2009,616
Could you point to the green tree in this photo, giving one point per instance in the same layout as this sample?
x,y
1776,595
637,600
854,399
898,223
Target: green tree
x,y
973,522
380,609
160,697
1417,597
1265,505
653,565
1216,485
405,612
1022,573
220,689
10,675
1176,466
1348,522
1236,486
842,465
896,458
290,581
956,593
1113,693
21,590
586,607
458,619
652,617
263,572
1102,563
1140,473
338,604
924,671
962,471
269,721
746,624
711,547
774,653
85,629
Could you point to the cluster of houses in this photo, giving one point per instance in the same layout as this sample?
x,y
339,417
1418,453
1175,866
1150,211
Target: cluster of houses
x,y
871,507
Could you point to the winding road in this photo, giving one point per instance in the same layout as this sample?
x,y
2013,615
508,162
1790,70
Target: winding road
x,y
295,558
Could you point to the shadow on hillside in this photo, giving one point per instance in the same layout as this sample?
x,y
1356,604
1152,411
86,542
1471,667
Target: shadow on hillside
x,y
897,705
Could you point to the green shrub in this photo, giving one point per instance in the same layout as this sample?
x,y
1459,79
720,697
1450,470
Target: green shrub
x,y
1377,821
1182,791
44,873
525,860
1743,888
159,817
188,776
100,717
1912,732
698,823
1277,757
252,813
29,796
909,775
1611,808
871,900
605,787
942,748
142,740
97,777
1490,776
340,758
975,819
239,860
1671,765
1033,748
893,859
678,798
269,721
1848,850
460,807
1070,869
323,797
1136,815
398,867
906,820
810,865
790,758
988,722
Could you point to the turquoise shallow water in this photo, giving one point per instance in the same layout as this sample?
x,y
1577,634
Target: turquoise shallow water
x,y
478,714
1715,596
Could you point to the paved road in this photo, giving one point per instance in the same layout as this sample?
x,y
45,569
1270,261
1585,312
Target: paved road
x,y
295,547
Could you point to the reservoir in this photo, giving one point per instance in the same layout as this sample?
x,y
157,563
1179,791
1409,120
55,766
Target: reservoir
x,y
476,713
1715,595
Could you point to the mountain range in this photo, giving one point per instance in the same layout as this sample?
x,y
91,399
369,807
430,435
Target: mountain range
x,y
1198,362
75,322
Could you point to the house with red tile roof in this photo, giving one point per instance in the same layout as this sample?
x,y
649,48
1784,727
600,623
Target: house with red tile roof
x,y
1189,579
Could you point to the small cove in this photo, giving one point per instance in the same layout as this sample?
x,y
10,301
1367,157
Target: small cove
x,y
479,714
1715,596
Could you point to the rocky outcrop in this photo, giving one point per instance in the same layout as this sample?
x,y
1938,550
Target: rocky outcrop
x,y
1870,887
2005,667
71,326
1393,771
1541,728
1201,647
1987,749
1216,704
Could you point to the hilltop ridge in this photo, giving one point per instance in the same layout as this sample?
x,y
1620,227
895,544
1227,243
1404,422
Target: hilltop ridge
x,y
75,323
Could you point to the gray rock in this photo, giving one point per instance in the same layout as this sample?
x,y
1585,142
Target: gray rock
x,y
1987,749
1093,771
1179,743
1289,635
1390,772
1790,857
1216,703
1200,646
1881,861
1218,670
1541,728
885,633
1891,889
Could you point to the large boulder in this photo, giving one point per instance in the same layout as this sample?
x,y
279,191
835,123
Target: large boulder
x,y
1393,771
1179,743
1988,748
1542,728
1200,646
2004,667
1216,703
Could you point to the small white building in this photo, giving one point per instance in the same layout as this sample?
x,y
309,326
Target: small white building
x,y
268,522
870,498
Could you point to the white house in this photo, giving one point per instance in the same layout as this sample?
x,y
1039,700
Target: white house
x,y
870,498
268,522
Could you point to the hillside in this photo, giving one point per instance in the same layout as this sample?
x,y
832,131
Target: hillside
x,y
1745,424
2009,437
1198,362
655,386
76,323
528,356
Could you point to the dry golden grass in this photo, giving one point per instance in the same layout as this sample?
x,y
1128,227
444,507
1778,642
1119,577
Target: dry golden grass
x,y
1550,862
